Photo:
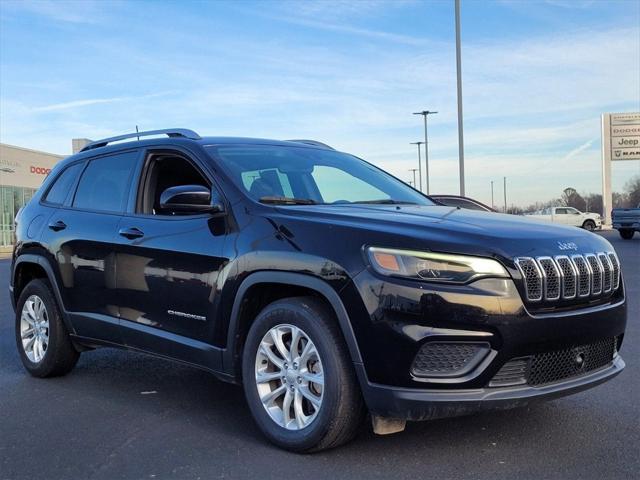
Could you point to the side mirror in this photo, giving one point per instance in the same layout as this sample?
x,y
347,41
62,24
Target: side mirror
x,y
185,199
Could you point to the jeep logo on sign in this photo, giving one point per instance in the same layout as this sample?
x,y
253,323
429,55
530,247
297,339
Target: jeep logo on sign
x,y
567,246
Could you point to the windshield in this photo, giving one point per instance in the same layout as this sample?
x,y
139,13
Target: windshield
x,y
302,176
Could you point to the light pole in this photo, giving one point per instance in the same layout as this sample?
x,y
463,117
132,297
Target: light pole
x,y
419,163
459,83
414,170
426,113
493,205
505,194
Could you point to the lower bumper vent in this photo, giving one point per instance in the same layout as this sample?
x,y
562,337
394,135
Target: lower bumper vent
x,y
448,359
550,367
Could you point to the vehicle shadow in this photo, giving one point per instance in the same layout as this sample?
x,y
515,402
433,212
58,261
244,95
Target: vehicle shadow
x,y
160,387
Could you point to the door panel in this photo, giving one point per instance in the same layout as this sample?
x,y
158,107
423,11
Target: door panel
x,y
168,265
574,218
83,252
561,216
167,278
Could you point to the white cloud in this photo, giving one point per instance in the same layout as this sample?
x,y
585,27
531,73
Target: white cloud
x,y
76,104
94,101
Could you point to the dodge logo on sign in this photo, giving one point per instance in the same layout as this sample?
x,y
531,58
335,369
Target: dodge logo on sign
x,y
39,170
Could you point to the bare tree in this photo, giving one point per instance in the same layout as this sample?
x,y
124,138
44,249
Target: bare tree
x,y
571,198
632,189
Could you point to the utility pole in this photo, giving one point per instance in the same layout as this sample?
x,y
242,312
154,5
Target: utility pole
x,y
505,194
425,113
419,162
414,170
459,82
493,205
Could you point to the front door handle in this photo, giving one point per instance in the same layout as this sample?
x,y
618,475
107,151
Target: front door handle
x,y
57,226
131,233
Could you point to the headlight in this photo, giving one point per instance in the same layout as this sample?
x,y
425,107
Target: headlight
x,y
433,267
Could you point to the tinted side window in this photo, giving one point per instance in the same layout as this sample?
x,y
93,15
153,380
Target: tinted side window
x,y
470,205
104,185
58,192
452,202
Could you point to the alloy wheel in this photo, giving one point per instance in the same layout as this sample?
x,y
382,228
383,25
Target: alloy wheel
x,y
289,377
34,328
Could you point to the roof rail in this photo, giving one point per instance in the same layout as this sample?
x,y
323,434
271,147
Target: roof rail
x,y
171,132
315,143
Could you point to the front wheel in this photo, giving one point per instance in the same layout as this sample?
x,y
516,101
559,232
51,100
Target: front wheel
x,y
298,378
627,234
589,225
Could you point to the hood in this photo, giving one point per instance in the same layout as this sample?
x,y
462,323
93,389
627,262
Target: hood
x,y
451,229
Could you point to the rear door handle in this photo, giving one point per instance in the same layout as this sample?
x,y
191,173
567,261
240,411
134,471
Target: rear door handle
x,y
131,233
57,226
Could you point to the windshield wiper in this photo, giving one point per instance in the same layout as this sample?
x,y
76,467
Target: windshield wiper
x,y
386,201
287,201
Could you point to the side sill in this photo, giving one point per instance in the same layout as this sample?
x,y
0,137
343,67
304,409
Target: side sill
x,y
97,343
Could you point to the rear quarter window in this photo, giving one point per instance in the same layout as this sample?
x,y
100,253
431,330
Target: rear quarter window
x,y
61,186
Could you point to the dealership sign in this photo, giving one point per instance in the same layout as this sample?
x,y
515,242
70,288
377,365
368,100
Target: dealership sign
x,y
620,141
623,132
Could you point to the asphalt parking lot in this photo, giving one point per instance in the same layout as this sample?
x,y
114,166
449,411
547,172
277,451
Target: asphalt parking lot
x,y
125,415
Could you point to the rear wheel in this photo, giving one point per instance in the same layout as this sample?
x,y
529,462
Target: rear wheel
x,y
627,234
298,377
41,336
589,225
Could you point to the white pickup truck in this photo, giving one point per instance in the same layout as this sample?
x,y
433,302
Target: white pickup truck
x,y
569,216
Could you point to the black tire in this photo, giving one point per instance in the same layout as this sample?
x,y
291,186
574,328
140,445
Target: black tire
x,y
627,234
342,410
589,225
60,355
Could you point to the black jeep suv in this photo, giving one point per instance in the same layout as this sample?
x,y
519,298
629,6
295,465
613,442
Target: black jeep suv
x,y
327,287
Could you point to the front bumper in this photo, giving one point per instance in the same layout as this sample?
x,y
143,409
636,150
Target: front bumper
x,y
397,318
421,404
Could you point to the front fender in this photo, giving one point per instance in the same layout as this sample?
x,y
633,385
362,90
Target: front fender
x,y
289,278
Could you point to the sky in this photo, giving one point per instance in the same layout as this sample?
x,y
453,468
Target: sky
x,y
536,77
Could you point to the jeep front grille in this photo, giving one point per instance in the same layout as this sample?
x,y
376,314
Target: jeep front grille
x,y
564,277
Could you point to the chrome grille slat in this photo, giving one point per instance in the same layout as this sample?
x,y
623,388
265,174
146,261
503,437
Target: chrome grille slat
x,y
532,278
607,281
550,278
567,277
584,275
615,265
597,272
